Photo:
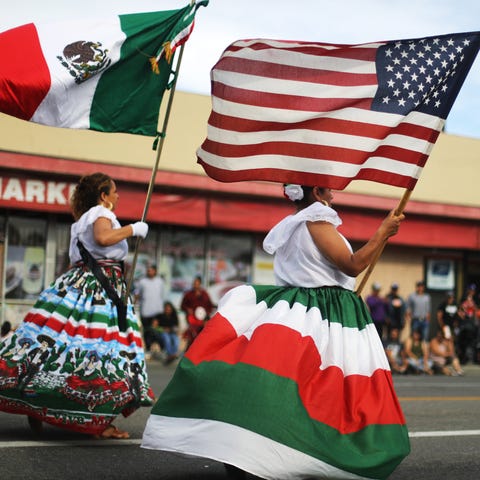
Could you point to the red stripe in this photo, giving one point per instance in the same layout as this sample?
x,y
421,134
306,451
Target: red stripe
x,y
286,102
347,404
24,73
85,331
294,73
333,125
305,178
352,52
314,152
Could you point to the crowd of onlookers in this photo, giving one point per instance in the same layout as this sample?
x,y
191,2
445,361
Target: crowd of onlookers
x,y
423,338
160,319
418,337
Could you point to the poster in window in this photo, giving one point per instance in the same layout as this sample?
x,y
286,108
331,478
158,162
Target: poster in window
x,y
25,272
440,274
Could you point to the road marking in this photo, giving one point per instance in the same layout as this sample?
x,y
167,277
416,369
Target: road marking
x,y
436,399
448,433
130,442
71,443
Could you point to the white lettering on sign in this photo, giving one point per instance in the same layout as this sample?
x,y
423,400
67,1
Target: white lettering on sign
x,y
35,191
56,193
13,190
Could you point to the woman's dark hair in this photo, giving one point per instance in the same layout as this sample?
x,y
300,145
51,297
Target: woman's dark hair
x,y
6,327
174,310
307,195
88,191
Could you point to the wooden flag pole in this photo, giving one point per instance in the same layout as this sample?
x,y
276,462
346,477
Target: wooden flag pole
x,y
400,208
155,167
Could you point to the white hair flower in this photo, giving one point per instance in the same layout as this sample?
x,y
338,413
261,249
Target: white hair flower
x,y
293,192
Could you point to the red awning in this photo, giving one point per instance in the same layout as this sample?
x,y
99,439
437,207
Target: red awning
x,y
44,184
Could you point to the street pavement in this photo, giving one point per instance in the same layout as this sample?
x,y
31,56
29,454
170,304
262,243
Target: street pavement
x,y
443,415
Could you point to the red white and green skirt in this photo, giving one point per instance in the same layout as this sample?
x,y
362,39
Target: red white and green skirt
x,y
68,363
285,383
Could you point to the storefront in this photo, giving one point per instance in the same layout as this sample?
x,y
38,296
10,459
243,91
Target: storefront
x,y
201,227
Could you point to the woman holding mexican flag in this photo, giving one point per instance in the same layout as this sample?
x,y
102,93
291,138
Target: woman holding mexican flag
x,y
77,361
291,381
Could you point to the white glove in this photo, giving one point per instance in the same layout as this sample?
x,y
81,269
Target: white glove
x,y
140,229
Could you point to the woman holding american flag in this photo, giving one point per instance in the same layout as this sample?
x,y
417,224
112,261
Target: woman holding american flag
x,y
291,381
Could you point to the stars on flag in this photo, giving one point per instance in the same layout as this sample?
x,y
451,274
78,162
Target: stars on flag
x,y
416,74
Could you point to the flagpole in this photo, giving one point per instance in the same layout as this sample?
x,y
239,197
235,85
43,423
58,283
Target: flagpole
x,y
398,211
155,167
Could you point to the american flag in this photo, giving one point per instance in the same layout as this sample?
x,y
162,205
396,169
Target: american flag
x,y
326,114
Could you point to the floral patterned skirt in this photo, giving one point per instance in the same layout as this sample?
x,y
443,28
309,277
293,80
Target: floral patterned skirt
x,y
68,363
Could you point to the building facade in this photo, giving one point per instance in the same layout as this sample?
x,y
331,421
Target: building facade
x,y
202,227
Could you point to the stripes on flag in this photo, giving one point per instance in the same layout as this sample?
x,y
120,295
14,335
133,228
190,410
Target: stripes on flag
x,y
325,114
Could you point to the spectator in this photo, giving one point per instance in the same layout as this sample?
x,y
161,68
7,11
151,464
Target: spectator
x,y
447,311
378,308
168,323
416,351
466,331
396,353
469,301
150,292
396,309
198,306
419,305
443,355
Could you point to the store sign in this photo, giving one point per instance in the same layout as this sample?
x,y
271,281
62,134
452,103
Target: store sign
x,y
24,192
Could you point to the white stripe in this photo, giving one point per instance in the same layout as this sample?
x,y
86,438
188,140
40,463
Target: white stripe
x,y
307,165
252,112
68,104
365,351
326,139
236,446
184,33
282,86
302,60
293,44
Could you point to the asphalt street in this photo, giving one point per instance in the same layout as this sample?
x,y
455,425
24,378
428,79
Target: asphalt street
x,y
443,415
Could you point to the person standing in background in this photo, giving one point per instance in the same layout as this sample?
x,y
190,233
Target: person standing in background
x,y
168,325
198,306
419,305
396,308
378,309
150,292
446,314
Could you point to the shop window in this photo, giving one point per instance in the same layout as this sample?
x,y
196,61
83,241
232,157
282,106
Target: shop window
x,y
230,262
25,266
262,264
2,252
146,255
62,244
183,258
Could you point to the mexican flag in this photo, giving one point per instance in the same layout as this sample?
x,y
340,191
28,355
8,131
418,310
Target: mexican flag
x,y
285,382
107,74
